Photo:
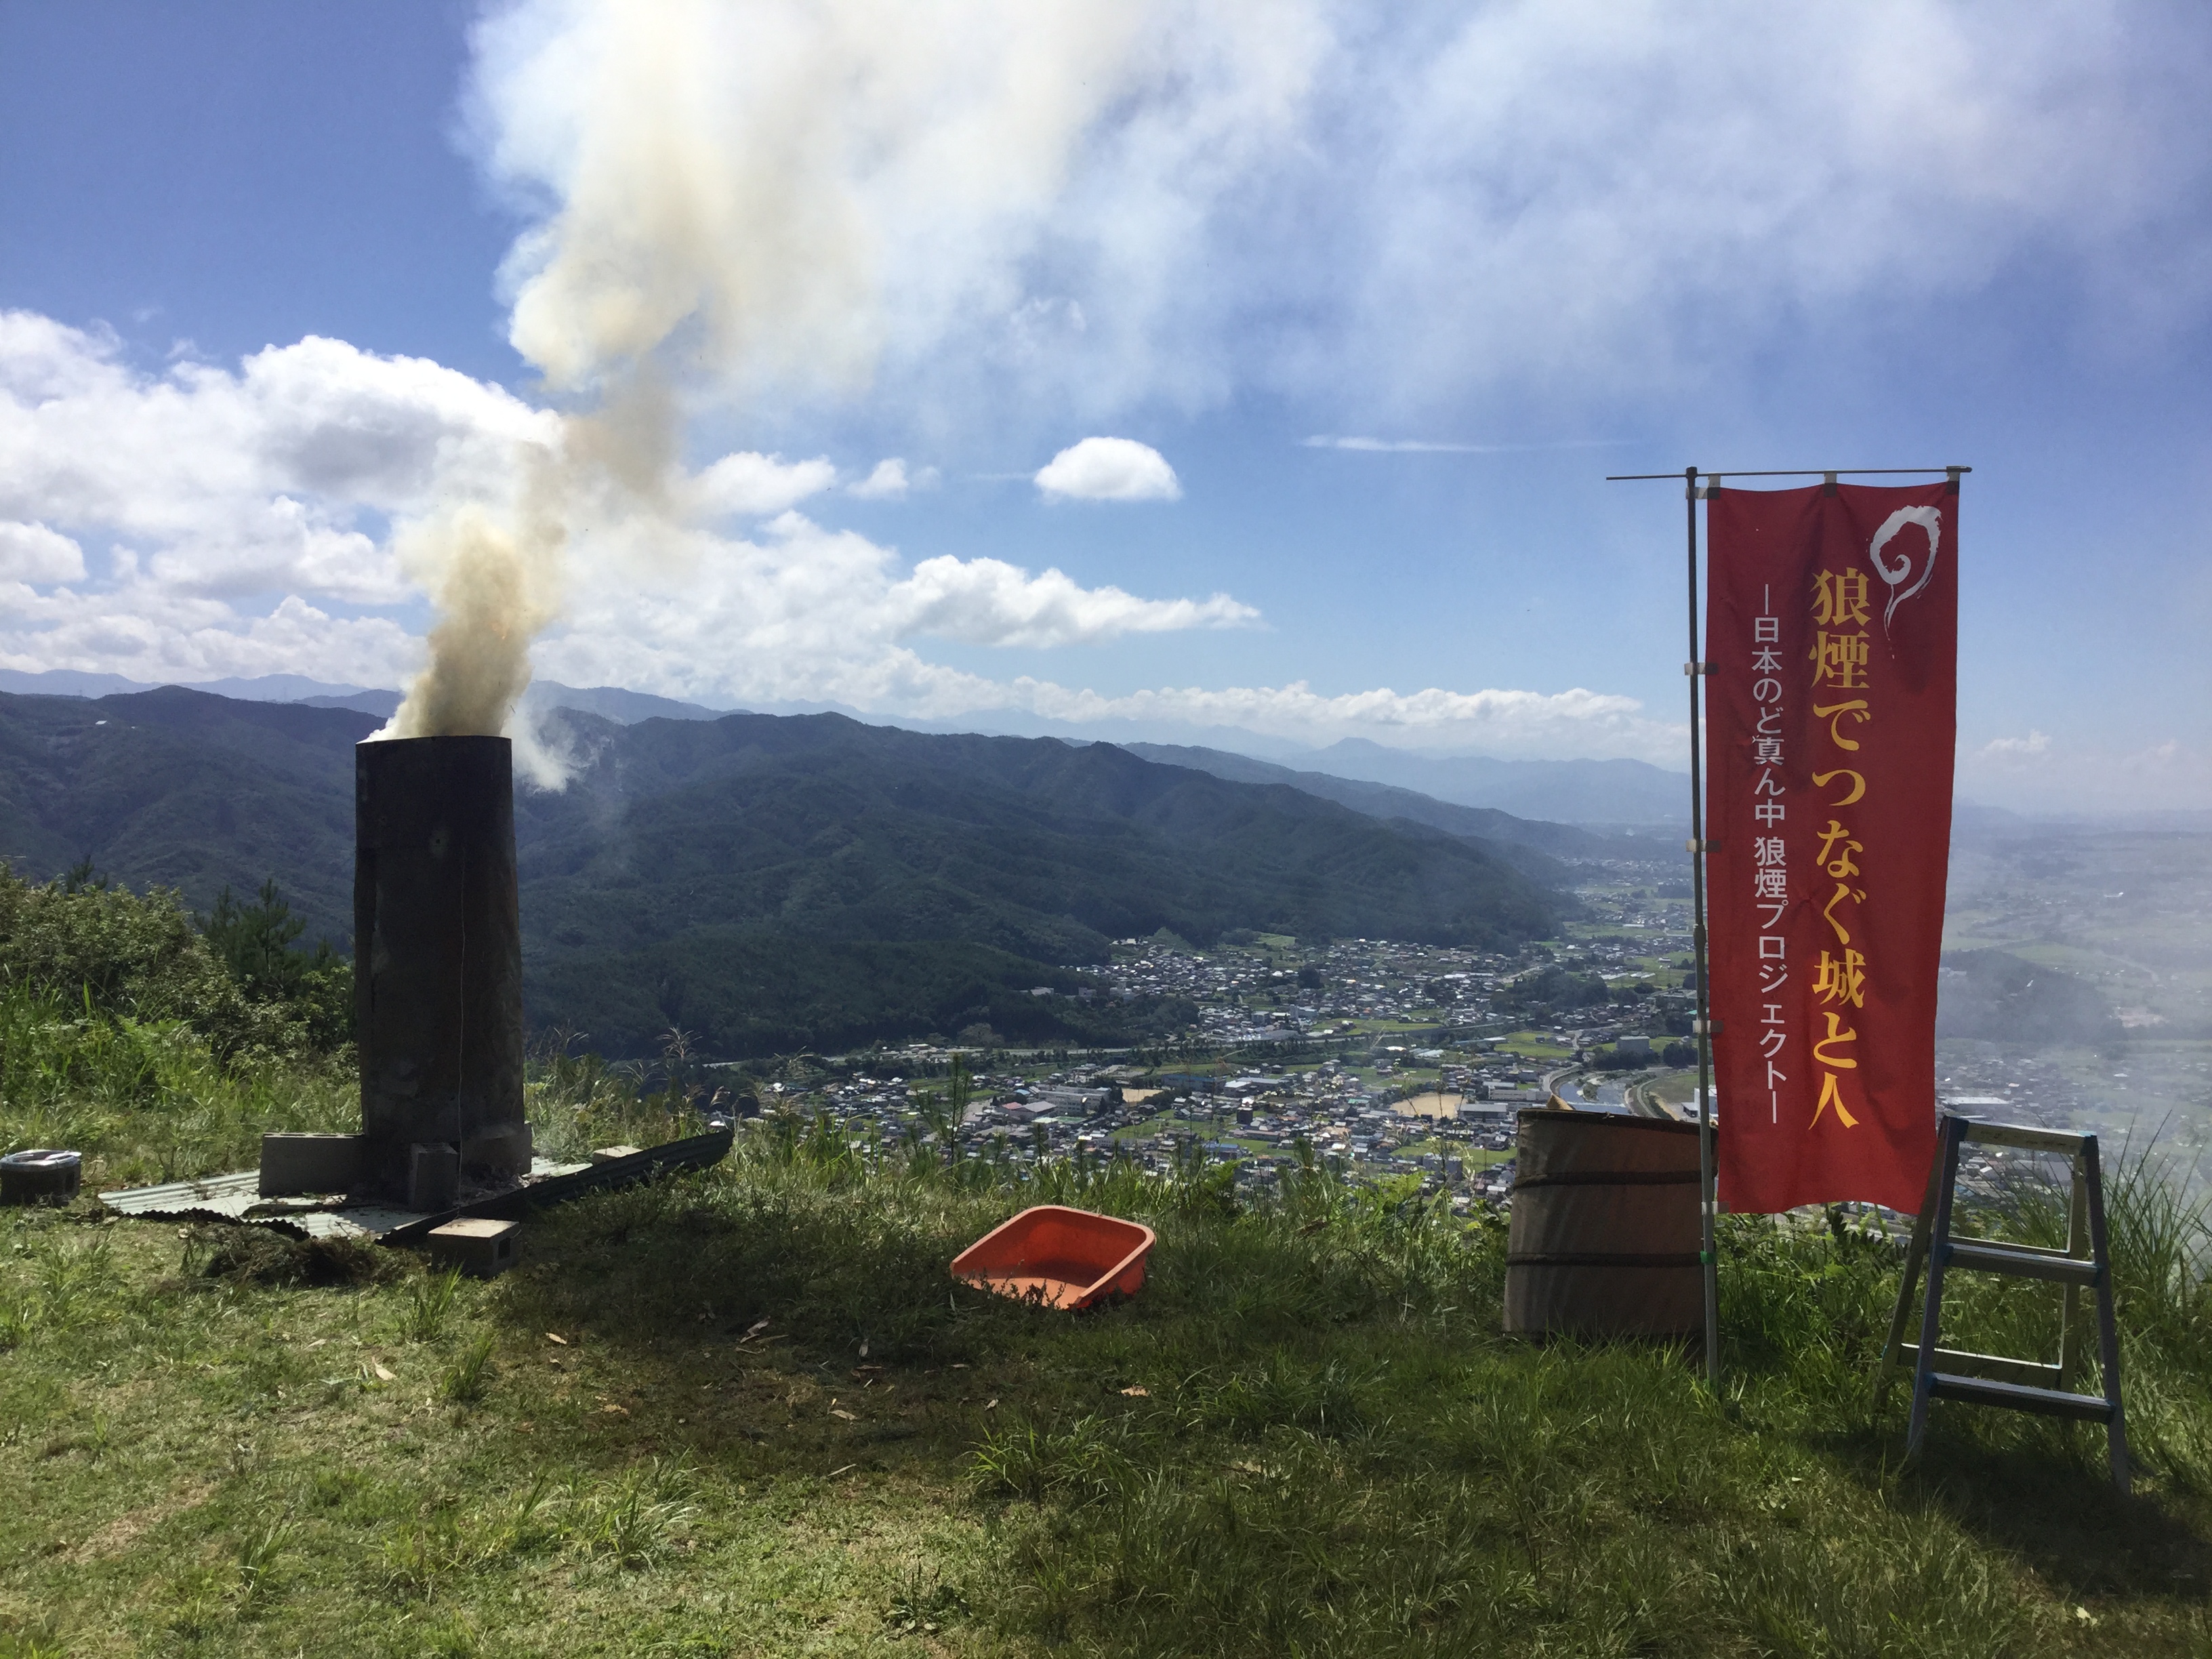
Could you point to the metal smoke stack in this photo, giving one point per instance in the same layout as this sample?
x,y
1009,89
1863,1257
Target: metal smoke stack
x,y
437,969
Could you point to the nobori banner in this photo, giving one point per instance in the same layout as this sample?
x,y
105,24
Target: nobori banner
x,y
1831,709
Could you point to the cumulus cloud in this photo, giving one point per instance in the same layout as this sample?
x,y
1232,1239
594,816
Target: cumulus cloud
x,y
32,553
986,602
798,612
1108,470
2027,748
269,479
146,631
270,520
890,482
752,485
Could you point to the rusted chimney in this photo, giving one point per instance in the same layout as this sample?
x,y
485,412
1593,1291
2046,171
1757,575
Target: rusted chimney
x,y
437,969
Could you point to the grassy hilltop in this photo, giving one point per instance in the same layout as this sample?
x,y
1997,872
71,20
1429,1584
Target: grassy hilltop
x,y
747,1412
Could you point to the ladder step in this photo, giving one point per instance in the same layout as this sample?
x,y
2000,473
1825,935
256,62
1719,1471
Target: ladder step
x,y
2023,1264
2019,1134
2004,1368
2051,1403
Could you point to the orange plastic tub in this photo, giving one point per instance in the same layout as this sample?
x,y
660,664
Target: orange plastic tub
x,y
1058,1258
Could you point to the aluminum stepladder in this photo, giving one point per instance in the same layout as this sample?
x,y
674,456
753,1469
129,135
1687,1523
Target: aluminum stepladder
x,y
2028,1385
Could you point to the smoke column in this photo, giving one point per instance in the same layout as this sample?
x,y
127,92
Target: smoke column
x,y
755,203
495,586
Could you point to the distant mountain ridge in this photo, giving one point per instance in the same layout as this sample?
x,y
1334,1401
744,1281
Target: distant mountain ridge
x,y
1609,794
1382,800
766,881
612,702
1581,792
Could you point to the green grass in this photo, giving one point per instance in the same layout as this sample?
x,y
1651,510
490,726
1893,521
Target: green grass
x,y
148,1101
771,1424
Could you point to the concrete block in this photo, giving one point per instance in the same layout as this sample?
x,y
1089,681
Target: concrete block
x,y
609,1154
434,1176
479,1248
308,1164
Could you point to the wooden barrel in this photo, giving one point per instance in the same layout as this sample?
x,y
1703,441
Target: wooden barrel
x,y
1604,1234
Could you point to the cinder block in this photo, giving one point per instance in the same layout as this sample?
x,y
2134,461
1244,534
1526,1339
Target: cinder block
x,y
479,1249
609,1154
504,1150
434,1177
308,1164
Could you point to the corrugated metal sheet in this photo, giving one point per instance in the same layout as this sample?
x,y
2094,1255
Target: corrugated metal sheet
x,y
238,1197
229,1196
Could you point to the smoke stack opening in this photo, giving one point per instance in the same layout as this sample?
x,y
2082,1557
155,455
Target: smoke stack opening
x,y
438,971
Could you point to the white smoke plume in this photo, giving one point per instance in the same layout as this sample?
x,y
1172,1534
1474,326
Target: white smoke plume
x,y
790,190
495,586
760,200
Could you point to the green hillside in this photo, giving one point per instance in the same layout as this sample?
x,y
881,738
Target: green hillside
x,y
768,882
182,789
719,862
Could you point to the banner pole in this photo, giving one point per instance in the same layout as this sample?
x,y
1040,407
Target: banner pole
x,y
1708,1257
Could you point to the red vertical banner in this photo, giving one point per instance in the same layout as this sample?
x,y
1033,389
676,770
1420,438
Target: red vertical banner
x,y
1831,717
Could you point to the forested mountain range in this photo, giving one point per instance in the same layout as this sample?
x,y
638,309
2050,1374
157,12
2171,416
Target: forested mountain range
x,y
766,880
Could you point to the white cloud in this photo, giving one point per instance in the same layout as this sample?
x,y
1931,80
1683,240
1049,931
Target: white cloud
x,y
145,632
255,513
1562,724
32,553
2033,744
271,479
890,482
250,513
986,602
1088,208
751,485
815,194
1108,470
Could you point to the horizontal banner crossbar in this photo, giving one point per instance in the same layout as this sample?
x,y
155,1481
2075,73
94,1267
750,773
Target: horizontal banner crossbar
x,y
1797,472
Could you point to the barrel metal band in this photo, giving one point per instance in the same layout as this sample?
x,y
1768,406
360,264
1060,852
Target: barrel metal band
x,y
1598,1259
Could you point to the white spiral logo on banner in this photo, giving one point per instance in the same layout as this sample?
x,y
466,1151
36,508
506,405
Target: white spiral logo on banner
x,y
1928,519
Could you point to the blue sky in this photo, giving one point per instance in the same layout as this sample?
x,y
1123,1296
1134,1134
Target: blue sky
x,y
1563,240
